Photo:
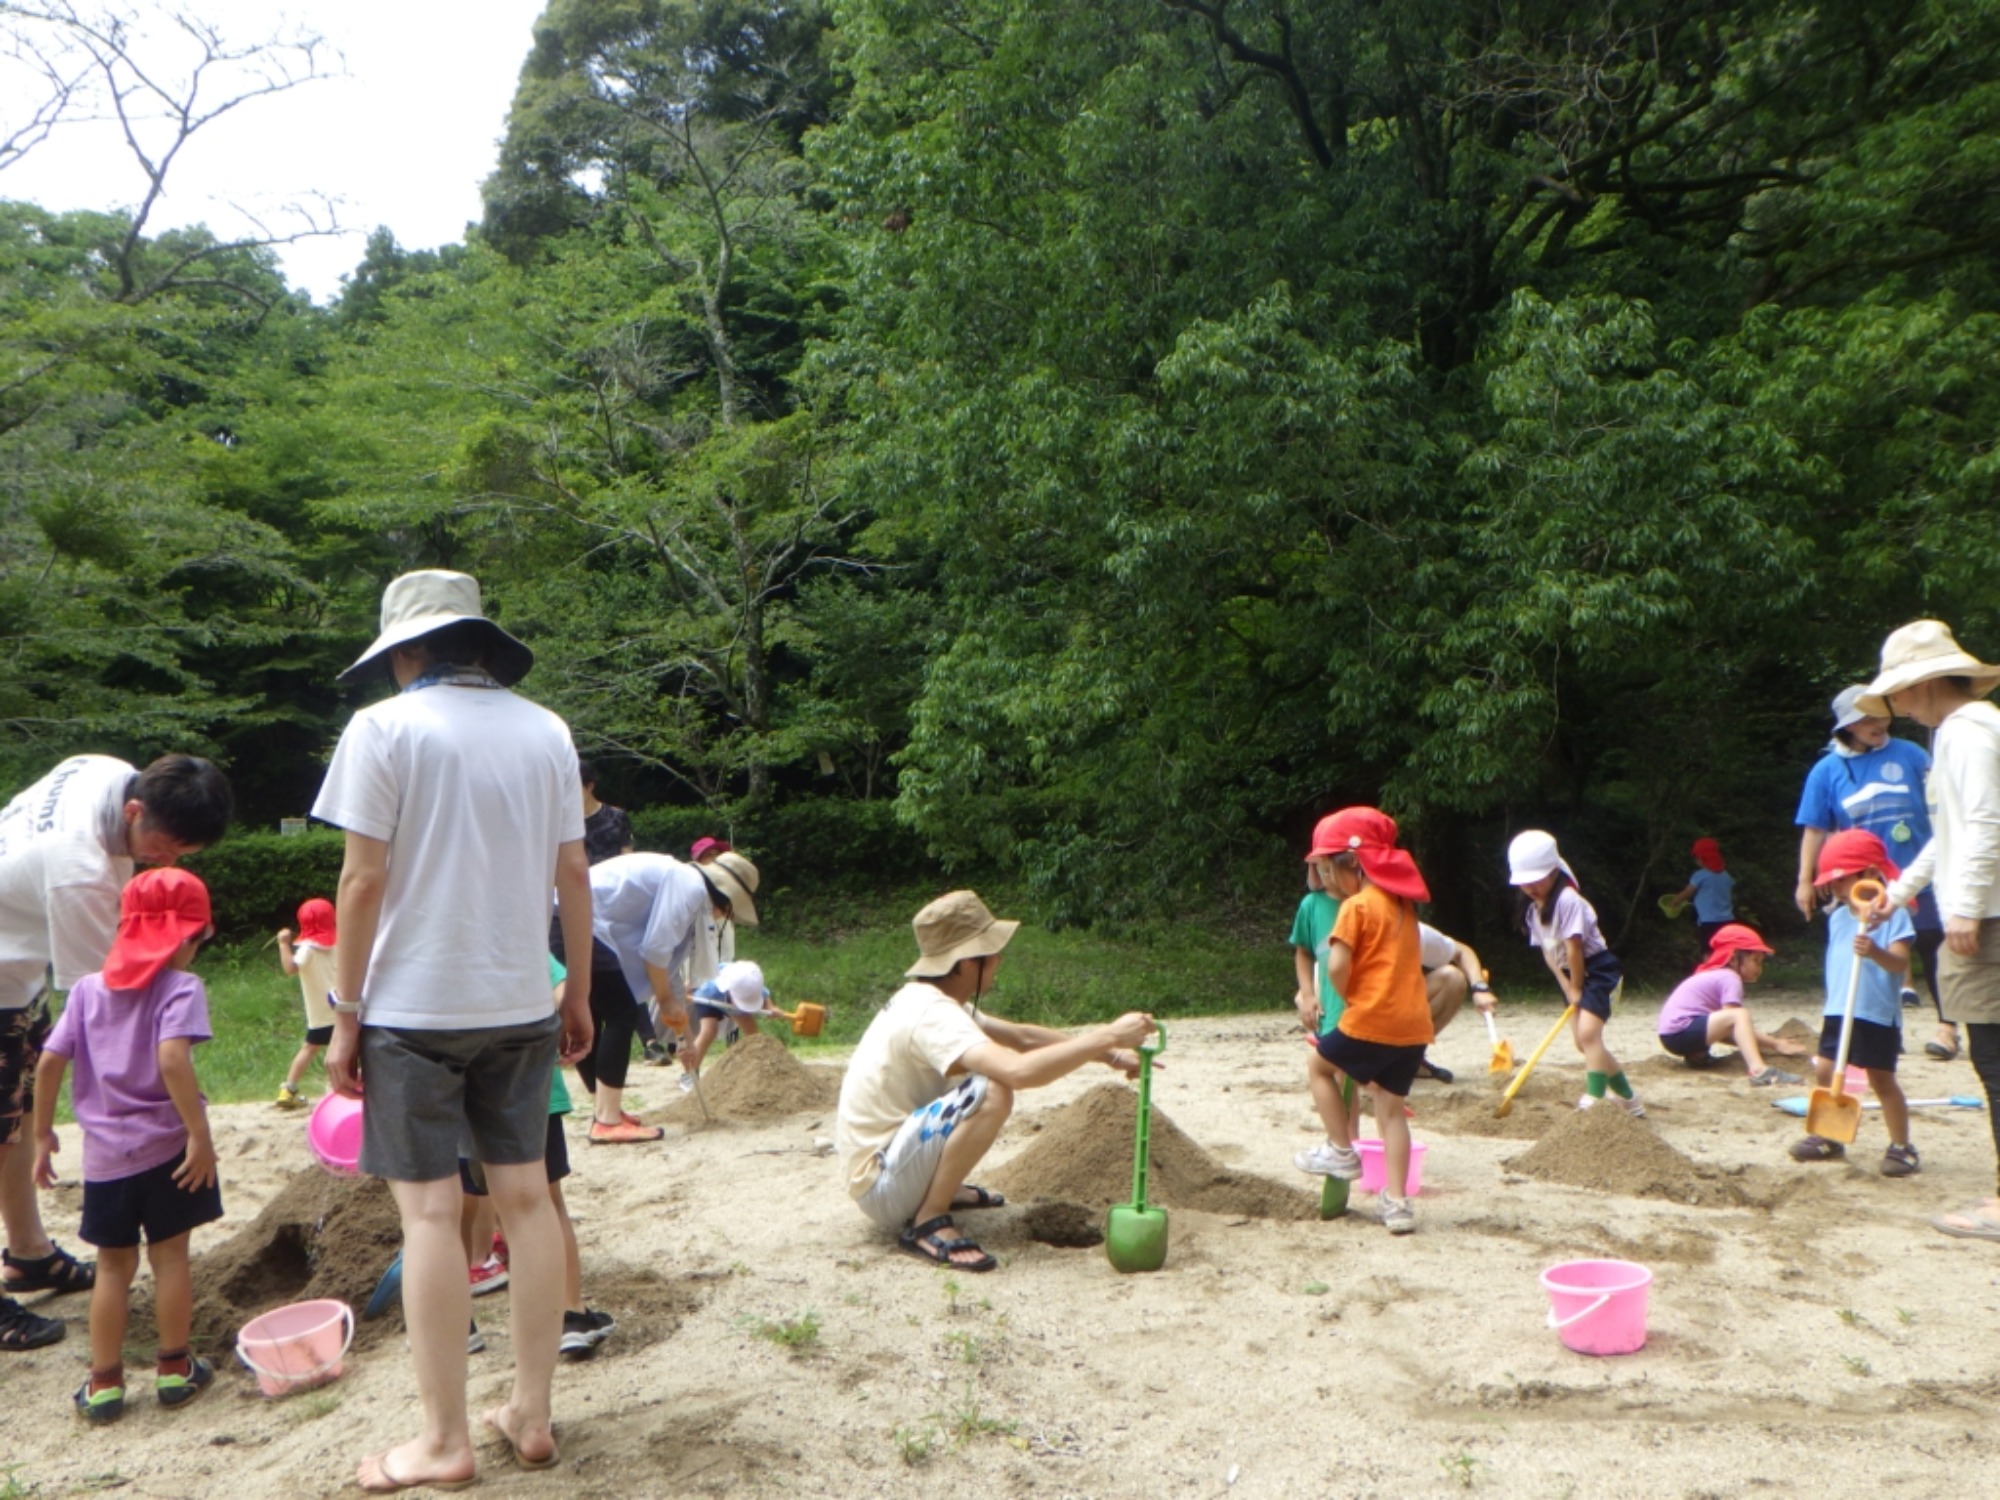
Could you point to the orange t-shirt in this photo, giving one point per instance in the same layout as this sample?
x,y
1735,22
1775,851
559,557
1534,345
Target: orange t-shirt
x,y
1386,999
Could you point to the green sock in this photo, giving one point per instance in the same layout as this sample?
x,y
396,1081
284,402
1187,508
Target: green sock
x,y
1620,1085
1593,1085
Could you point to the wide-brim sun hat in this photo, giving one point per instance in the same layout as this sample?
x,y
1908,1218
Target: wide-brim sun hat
x,y
158,911
743,982
1730,939
957,925
1925,649
1853,851
418,603
1854,704
736,878
1369,834
1533,856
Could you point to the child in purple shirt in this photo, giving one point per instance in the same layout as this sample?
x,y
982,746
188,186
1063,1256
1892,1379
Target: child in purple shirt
x,y
148,1161
1707,1008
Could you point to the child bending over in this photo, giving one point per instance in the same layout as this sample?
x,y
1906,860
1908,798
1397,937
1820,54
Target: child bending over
x,y
736,995
148,1162
1707,1008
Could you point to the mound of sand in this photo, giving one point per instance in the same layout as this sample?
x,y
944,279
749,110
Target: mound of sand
x,y
1468,1110
757,1079
1795,1030
1607,1150
1084,1156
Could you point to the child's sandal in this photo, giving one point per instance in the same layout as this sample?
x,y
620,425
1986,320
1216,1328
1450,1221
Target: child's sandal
x,y
100,1407
1901,1161
1817,1148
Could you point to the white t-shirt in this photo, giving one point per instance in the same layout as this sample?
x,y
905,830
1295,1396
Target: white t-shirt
x,y
899,1067
1963,855
1435,949
315,979
474,791
63,861
652,909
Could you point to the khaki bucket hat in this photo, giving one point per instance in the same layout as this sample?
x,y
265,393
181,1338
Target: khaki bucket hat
x,y
956,925
736,878
416,604
1925,649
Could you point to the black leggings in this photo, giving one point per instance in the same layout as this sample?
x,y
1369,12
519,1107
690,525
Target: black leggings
x,y
616,1016
1982,1044
1929,941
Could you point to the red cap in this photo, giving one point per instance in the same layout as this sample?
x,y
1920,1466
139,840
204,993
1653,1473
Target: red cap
x,y
1708,854
707,846
1730,939
1853,851
316,922
159,910
1369,834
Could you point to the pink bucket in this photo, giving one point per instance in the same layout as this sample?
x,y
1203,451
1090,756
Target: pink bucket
x,y
298,1347
333,1129
1598,1306
1375,1166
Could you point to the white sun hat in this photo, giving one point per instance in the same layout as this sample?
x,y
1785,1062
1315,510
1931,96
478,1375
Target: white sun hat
x,y
418,603
1925,649
1533,856
743,982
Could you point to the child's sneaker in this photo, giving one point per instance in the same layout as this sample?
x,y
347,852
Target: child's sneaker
x,y
179,1390
1589,1101
1634,1108
659,1054
583,1332
1817,1148
500,1247
289,1097
1396,1215
1910,1001
1901,1161
488,1276
101,1407
687,1081
1329,1160
1773,1076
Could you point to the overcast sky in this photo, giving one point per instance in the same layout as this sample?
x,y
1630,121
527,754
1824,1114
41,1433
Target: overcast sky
x,y
402,136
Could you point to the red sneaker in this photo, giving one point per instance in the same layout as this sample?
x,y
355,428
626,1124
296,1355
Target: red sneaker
x,y
500,1247
488,1276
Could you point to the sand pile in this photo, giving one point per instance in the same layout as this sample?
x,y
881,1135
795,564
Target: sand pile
x,y
1796,1030
757,1079
1468,1110
1606,1149
1083,1155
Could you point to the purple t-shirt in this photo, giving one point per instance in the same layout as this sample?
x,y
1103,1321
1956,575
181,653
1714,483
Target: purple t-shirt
x,y
1699,996
112,1039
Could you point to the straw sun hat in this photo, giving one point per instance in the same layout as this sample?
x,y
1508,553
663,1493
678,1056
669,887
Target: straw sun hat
x,y
1925,649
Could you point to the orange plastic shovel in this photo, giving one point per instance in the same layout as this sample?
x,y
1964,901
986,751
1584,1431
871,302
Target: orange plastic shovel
x,y
1507,1099
1503,1050
807,1020
1834,1114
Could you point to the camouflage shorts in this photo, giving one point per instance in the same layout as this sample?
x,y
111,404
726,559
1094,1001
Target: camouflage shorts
x,y
22,1033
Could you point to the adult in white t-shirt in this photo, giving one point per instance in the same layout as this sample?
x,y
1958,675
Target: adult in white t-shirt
x,y
907,1135
459,802
1451,972
67,847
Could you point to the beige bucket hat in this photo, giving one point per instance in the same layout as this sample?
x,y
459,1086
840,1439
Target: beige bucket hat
x,y
956,925
1925,649
416,604
736,878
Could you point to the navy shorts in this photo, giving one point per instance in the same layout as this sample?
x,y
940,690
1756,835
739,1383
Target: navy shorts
x,y
319,1036
1873,1045
555,1155
1690,1041
1393,1069
722,1015
1602,974
150,1203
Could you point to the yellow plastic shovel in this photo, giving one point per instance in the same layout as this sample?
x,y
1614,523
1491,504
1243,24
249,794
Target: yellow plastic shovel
x,y
1507,1099
1834,1114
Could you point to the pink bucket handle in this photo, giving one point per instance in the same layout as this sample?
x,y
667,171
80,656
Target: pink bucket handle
x,y
1578,1317
296,1377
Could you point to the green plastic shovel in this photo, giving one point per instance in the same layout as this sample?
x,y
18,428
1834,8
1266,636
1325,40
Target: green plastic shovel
x,y
1135,1236
1333,1190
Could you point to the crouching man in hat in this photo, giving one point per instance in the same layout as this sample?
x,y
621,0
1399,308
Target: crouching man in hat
x,y
933,1081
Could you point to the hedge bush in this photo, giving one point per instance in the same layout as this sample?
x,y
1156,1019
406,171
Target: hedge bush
x,y
820,840
257,880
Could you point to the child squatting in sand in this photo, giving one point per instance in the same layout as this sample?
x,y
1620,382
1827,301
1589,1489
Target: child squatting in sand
x,y
1374,960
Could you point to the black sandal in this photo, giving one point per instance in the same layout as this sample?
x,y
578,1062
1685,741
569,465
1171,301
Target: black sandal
x,y
923,1241
981,1198
58,1271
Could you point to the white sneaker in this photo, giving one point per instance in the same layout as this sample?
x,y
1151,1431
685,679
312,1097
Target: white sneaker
x,y
1634,1108
1396,1215
687,1081
1329,1160
1588,1101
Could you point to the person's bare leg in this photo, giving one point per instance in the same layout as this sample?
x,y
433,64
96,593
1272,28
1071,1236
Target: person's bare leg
x,y
301,1060
1895,1105
608,1108
110,1305
1446,989
437,1307
173,1291
1324,1079
572,1257
966,1147
20,1209
520,1193
704,1038
1395,1128
1731,1026
1588,1032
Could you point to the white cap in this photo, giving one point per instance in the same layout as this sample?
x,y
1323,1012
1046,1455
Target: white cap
x,y
743,982
1533,856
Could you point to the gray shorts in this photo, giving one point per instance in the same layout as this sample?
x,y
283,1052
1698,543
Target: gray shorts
x,y
910,1160
425,1092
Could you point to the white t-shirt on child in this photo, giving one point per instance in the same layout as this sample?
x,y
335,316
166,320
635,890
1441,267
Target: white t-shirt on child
x,y
900,1066
63,861
474,790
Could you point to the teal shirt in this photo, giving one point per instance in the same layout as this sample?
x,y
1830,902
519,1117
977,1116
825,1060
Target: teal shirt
x,y
1312,930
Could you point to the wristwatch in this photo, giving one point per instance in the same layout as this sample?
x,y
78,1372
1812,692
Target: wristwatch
x,y
1481,987
340,1006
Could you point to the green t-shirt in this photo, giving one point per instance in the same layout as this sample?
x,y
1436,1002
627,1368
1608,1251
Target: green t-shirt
x,y
558,1092
1312,929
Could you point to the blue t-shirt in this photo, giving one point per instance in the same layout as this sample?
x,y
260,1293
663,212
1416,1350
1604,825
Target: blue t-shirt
x,y
1879,790
1711,895
1879,996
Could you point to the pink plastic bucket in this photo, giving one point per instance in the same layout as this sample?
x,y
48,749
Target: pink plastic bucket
x,y
1598,1306
333,1129
1375,1169
298,1347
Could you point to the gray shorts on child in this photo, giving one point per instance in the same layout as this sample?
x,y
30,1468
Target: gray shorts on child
x,y
910,1160
423,1092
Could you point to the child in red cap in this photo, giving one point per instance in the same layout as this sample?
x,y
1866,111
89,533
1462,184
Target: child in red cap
x,y
148,1161
1883,954
1707,1009
1374,960
311,959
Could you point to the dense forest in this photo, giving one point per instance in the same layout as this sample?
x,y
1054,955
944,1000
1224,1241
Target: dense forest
x,y
1089,438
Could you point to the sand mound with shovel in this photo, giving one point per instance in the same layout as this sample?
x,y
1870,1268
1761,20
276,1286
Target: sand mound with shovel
x,y
757,1079
1084,1155
1607,1150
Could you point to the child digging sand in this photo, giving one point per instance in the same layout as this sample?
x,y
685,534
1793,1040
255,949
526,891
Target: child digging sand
x,y
1707,1008
148,1162
1845,859
736,995
1564,926
1374,960
311,959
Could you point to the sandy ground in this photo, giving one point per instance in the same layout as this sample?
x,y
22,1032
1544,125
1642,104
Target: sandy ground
x,y
1818,1334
